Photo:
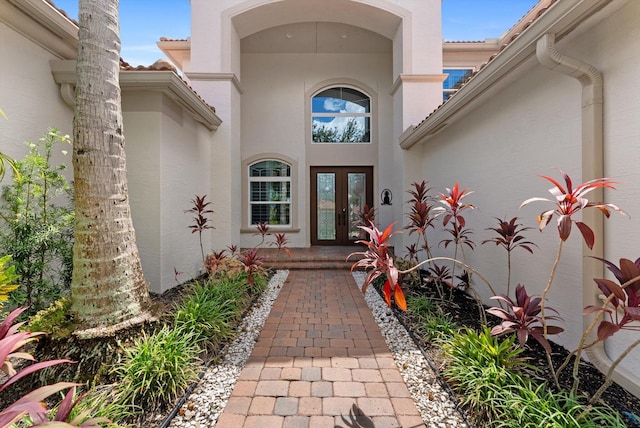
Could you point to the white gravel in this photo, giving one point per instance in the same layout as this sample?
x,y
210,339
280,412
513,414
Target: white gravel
x,y
208,399
434,404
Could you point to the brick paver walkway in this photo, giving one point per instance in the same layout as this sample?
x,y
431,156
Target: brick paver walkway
x,y
320,359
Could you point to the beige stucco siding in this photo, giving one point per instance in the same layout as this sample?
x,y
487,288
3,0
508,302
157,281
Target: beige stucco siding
x,y
275,113
530,125
28,95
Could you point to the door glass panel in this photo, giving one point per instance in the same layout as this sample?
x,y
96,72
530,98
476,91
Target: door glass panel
x,y
357,183
326,206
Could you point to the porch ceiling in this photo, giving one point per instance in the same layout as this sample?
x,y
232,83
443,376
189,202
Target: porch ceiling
x,y
348,12
316,37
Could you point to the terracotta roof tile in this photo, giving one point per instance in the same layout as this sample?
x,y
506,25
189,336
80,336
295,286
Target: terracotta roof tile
x,y
522,26
162,65
170,39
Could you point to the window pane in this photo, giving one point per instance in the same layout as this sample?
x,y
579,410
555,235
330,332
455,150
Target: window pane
x,y
357,183
270,168
341,100
278,214
341,129
326,206
270,191
457,77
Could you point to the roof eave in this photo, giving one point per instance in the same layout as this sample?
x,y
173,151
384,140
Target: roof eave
x,y
31,17
561,18
166,82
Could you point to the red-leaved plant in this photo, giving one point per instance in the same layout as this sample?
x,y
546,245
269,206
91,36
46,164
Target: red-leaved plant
x,y
523,318
201,219
281,243
251,263
569,201
420,217
378,258
624,298
509,236
452,213
31,404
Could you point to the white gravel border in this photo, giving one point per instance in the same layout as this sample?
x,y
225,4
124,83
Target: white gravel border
x,y
206,403
434,404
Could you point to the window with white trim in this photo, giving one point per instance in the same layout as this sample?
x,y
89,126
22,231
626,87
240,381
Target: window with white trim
x,y
455,79
270,192
341,115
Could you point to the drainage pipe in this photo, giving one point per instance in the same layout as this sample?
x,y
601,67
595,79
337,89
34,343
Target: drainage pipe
x,y
592,167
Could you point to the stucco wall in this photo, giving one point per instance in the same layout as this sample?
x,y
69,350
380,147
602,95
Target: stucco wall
x,y
28,95
529,126
277,89
167,165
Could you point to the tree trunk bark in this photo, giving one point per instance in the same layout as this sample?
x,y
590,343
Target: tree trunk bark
x,y
108,287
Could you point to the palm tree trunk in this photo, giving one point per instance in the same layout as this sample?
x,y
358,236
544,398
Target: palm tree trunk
x,y
108,287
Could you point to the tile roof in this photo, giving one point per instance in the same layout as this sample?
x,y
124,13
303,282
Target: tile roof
x,y
516,30
170,39
162,65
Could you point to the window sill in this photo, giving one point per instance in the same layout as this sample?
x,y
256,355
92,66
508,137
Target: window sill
x,y
272,229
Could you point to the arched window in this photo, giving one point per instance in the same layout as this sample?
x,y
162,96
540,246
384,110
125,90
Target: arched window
x,y
270,192
341,115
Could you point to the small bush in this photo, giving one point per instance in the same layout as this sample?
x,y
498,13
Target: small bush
x,y
54,320
438,326
209,313
479,366
471,349
523,404
157,368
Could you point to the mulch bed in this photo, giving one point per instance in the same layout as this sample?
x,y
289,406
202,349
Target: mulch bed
x,y
465,312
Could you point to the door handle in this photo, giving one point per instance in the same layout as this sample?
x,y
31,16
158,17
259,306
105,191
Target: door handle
x,y
344,216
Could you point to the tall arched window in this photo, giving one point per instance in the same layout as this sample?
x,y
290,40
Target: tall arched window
x,y
270,193
341,115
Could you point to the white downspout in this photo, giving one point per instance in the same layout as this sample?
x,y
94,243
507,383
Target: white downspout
x,y
592,167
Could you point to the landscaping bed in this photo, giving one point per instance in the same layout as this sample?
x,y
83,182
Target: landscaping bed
x,y
458,309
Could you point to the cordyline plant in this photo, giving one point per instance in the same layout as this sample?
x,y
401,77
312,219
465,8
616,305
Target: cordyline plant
x,y
281,242
201,218
509,236
622,312
420,217
263,230
31,404
379,261
569,201
522,317
377,258
365,216
452,213
252,263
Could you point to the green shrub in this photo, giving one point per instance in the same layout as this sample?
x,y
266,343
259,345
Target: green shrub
x,y
55,319
7,279
37,227
419,306
209,311
525,405
438,326
469,348
157,368
480,366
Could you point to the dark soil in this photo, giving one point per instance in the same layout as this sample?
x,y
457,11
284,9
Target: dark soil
x,y
465,311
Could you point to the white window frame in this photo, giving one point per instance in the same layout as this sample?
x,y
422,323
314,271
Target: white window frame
x,y
368,115
270,179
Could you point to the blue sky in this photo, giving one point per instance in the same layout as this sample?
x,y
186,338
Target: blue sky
x,y
143,22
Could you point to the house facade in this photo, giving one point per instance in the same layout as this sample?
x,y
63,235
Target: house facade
x,y
323,106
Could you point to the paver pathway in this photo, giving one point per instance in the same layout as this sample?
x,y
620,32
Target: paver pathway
x,y
320,361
